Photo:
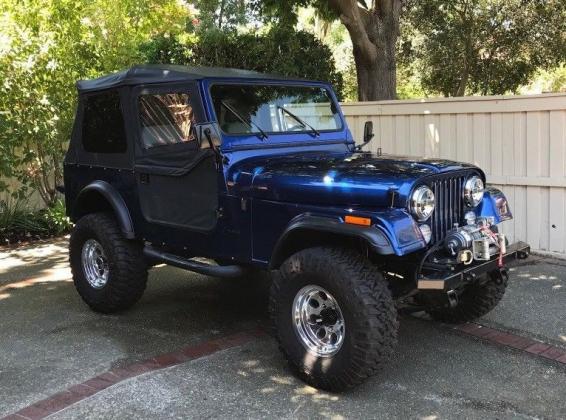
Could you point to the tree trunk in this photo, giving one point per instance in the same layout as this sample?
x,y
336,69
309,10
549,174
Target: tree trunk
x,y
374,34
461,88
377,80
221,13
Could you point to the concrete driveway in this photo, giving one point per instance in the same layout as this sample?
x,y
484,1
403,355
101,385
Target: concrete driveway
x,y
196,347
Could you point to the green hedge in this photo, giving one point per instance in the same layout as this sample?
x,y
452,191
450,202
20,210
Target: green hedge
x,y
280,50
19,223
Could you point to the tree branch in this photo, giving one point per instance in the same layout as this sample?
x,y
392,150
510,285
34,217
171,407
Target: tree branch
x,y
351,16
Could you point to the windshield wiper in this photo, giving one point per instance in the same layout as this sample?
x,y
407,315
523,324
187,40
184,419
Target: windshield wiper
x,y
300,120
262,135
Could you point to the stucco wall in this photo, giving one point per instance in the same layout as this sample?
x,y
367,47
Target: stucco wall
x,y
34,200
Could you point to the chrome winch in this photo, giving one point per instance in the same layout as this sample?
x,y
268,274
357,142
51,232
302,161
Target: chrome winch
x,y
475,241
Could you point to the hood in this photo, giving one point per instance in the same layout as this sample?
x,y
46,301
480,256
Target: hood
x,y
352,179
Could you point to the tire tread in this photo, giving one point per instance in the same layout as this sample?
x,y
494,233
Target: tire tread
x,y
375,337
475,301
127,264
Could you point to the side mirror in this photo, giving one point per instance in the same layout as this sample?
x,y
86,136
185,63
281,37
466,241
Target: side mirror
x,y
368,135
368,132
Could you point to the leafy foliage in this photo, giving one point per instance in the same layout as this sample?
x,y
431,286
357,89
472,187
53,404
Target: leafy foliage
x,y
222,14
19,223
280,50
285,12
56,218
373,28
45,46
483,46
553,80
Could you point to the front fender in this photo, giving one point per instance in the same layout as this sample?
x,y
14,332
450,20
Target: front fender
x,y
494,204
392,231
401,230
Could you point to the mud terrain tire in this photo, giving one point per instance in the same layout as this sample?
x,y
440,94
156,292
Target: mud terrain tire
x,y
474,302
364,299
126,265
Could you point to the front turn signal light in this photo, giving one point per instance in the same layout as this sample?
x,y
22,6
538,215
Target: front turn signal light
x,y
355,220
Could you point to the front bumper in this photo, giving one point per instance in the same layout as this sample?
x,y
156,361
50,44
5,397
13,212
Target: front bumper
x,y
468,274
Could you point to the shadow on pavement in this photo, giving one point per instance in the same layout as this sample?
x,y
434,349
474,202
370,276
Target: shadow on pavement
x,y
52,340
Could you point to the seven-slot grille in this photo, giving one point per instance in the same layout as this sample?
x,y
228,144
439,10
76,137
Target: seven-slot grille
x,y
449,209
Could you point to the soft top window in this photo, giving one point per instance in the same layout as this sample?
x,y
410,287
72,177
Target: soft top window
x,y
166,118
246,108
103,124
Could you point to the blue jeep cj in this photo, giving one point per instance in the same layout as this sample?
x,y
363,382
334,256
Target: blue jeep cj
x,y
255,172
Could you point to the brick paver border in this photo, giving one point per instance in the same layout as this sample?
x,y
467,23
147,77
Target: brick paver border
x,y
79,392
82,391
534,347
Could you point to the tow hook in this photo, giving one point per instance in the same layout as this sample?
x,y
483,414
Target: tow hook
x,y
523,254
501,276
452,298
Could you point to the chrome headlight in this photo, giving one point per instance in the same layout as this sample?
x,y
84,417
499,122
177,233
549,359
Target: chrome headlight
x,y
422,203
473,191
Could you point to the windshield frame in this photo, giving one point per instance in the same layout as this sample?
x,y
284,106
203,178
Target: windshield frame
x,y
307,84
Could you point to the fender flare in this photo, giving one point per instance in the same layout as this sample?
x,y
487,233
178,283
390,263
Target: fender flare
x,y
116,202
494,204
374,236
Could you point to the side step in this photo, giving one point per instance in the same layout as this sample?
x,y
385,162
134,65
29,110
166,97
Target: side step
x,y
191,265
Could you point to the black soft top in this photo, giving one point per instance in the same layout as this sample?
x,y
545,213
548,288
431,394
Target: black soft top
x,y
170,73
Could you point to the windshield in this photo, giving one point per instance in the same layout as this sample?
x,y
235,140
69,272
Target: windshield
x,y
256,109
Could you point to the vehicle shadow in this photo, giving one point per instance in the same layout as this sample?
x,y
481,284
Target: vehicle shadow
x,y
177,308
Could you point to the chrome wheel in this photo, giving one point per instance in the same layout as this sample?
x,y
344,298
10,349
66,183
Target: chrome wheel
x,y
95,264
318,321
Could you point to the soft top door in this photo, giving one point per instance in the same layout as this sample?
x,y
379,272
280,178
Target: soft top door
x,y
177,178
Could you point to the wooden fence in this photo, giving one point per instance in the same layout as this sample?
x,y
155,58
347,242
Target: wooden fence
x,y
519,141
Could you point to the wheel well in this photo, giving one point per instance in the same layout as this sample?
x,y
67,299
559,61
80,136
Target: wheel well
x,y
96,200
300,239
90,202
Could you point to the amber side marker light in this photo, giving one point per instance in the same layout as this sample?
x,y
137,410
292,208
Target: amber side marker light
x,y
355,220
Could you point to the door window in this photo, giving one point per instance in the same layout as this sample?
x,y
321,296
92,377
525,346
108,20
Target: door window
x,y
166,118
